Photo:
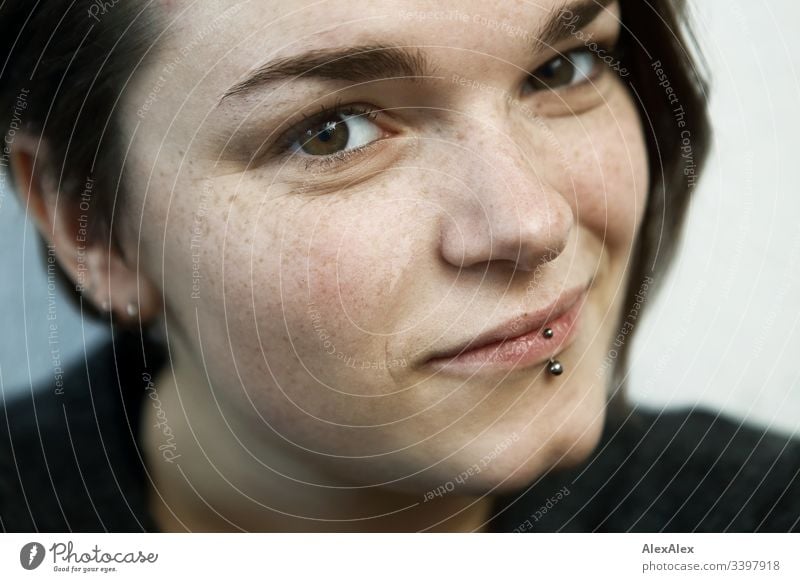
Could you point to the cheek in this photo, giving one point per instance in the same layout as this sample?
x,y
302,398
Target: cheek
x,y
607,178
338,274
352,262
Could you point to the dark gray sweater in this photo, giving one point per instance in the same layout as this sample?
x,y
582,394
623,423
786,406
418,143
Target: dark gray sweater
x,y
69,461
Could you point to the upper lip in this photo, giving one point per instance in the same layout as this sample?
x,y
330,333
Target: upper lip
x,y
517,326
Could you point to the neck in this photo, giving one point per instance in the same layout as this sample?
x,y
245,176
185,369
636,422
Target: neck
x,y
209,474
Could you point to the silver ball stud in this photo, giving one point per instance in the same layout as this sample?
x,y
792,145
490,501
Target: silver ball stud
x,y
555,368
548,333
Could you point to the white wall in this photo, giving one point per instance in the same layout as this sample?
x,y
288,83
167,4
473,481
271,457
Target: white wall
x,y
726,330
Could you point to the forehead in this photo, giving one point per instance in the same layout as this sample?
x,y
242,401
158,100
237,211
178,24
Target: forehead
x,y
210,46
285,26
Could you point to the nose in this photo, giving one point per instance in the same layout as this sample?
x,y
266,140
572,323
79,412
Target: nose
x,y
511,215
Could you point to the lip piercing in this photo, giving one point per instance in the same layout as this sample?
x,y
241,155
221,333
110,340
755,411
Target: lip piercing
x,y
553,366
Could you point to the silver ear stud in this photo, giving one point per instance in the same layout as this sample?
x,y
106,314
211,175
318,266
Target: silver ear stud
x,y
131,309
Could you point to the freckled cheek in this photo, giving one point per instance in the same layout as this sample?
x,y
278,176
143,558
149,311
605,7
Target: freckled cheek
x,y
610,181
308,273
353,271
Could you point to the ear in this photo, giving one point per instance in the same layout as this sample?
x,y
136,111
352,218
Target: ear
x,y
99,270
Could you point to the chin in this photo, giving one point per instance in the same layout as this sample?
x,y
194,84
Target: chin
x,y
512,466
540,452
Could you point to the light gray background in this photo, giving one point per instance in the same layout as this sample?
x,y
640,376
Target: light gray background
x,y
724,331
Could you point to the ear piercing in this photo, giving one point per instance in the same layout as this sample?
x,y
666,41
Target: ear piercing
x,y
131,309
553,366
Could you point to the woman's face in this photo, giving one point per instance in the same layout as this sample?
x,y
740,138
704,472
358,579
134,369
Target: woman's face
x,y
391,184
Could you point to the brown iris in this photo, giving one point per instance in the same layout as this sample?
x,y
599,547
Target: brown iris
x,y
556,73
325,138
572,69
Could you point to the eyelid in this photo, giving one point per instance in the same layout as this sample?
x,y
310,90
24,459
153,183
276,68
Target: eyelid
x,y
609,48
280,149
296,129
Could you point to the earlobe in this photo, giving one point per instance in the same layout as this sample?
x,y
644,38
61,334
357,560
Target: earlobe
x,y
119,288
97,268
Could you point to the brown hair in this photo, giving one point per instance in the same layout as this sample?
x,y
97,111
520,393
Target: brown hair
x,y
64,69
74,61
671,93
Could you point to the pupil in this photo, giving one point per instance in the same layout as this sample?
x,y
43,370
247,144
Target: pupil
x,y
558,73
327,133
327,138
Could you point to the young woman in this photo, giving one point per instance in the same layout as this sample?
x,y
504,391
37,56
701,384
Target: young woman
x,y
368,266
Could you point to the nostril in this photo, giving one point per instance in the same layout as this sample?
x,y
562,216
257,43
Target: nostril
x,y
552,253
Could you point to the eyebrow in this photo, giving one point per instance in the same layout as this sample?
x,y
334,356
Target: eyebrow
x,y
356,64
569,18
376,61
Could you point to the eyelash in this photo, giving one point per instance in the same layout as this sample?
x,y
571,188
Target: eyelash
x,y
323,163
608,49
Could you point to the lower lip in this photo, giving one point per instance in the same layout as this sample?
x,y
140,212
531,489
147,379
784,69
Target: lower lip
x,y
521,352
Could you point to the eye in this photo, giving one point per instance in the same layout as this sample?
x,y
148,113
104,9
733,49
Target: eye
x,y
333,132
574,68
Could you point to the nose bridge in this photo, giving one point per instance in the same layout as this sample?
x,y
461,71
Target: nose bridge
x,y
513,214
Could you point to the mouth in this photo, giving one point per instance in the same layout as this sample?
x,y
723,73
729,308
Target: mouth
x,y
517,343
